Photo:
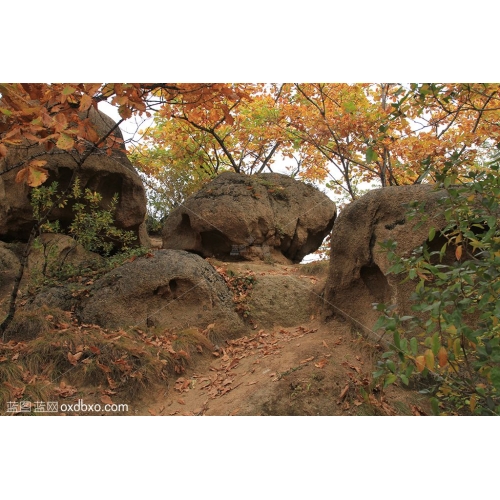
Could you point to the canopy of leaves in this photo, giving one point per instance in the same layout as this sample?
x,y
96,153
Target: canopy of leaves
x,y
342,134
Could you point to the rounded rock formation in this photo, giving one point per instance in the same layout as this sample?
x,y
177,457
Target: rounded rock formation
x,y
358,273
168,289
104,174
251,217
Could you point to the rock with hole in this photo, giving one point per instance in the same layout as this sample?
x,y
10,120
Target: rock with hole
x,y
358,273
268,217
102,173
168,289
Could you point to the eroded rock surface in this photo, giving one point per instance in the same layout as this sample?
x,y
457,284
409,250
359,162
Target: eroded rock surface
x,y
252,217
358,274
102,173
168,289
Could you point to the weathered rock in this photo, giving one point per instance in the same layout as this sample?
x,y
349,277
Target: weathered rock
x,y
52,252
171,289
102,173
281,301
358,265
257,217
65,297
50,255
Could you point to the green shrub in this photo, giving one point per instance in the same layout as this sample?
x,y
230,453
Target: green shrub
x,y
454,337
92,226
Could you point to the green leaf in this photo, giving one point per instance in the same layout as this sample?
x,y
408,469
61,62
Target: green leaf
x,y
432,233
371,155
68,90
495,377
404,379
435,406
436,343
390,379
350,107
414,346
397,339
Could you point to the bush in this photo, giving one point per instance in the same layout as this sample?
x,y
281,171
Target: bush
x,y
454,337
92,226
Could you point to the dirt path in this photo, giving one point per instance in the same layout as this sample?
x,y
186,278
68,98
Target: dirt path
x,y
312,369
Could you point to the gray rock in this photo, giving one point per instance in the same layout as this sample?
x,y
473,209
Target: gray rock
x,y
251,217
171,289
358,273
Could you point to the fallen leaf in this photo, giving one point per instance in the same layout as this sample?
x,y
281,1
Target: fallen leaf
x,y
73,358
152,412
321,363
233,363
344,392
181,401
325,344
106,400
418,412
112,383
306,360
104,368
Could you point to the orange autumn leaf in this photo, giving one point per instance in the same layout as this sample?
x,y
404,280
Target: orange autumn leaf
x,y
106,400
321,363
34,174
420,363
73,358
304,361
442,356
85,102
65,142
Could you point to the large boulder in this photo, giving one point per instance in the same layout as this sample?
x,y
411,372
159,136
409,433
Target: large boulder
x,y
251,217
358,274
168,289
102,173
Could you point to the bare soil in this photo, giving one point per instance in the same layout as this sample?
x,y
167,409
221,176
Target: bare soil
x,y
288,361
310,368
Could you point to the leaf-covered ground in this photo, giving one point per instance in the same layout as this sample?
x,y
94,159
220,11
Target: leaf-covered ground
x,y
308,368
311,369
